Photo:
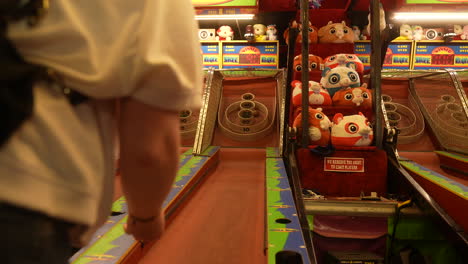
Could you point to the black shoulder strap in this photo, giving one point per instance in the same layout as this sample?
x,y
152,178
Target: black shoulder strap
x,y
16,75
14,10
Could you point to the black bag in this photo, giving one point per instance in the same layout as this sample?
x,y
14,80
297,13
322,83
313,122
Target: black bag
x,y
16,75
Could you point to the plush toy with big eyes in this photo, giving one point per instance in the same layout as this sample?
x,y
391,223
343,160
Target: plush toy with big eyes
x,y
315,63
464,34
356,97
271,32
319,127
347,60
458,30
317,95
406,32
259,32
339,78
418,32
357,33
312,33
249,33
225,33
352,130
336,33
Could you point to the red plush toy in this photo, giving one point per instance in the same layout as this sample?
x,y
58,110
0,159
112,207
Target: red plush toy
x,y
225,33
352,130
312,33
317,95
348,60
315,63
319,127
357,97
336,33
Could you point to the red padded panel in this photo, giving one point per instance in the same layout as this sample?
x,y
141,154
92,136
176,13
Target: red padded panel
x,y
373,179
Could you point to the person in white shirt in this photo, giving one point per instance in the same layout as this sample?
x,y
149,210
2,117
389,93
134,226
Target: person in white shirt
x,y
57,170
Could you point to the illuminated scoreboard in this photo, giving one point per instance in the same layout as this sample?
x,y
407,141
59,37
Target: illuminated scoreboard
x,y
437,55
240,54
397,57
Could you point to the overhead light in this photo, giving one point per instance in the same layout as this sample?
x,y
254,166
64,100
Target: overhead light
x,y
429,17
225,17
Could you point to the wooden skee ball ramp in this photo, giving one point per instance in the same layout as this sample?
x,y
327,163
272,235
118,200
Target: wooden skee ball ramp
x,y
224,220
431,118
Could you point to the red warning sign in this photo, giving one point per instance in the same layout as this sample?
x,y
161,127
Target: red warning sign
x,y
343,164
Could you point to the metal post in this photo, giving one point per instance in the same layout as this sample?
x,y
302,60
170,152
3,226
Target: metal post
x,y
376,70
305,71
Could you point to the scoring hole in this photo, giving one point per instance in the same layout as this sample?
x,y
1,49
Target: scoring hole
x,y
283,221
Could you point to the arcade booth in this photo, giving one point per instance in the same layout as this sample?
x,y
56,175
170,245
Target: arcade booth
x,y
331,131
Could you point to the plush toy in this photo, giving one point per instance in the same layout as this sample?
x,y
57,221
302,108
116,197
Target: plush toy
x,y
319,127
249,33
356,32
313,38
315,63
418,32
457,29
347,60
338,78
365,35
406,33
271,32
312,33
335,33
259,32
293,25
313,4
353,130
464,34
358,97
225,33
383,22
317,95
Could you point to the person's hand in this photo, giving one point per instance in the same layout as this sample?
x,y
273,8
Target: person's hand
x,y
145,230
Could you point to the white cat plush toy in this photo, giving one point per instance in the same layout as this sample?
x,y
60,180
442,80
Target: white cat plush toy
x,y
351,131
338,78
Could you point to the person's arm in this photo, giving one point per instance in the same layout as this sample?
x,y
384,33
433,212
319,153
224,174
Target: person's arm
x,y
149,142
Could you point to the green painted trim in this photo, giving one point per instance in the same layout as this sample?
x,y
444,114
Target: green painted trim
x,y
276,240
272,152
310,220
187,152
208,150
117,206
104,244
436,179
188,166
453,156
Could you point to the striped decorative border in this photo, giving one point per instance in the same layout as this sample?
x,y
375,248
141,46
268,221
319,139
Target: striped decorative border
x,y
453,156
438,179
283,229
